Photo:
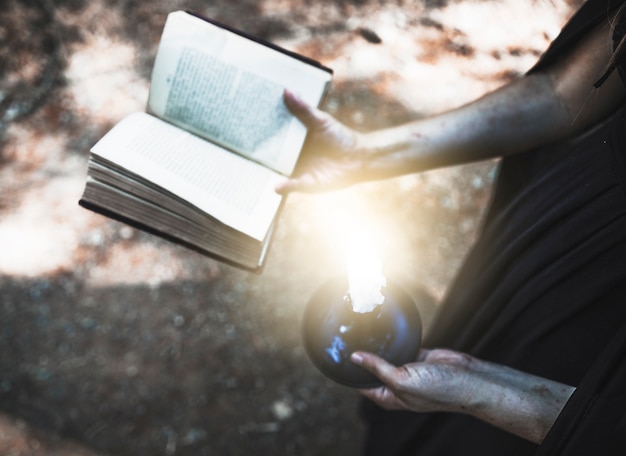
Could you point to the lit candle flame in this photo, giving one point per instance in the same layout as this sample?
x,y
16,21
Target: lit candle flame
x,y
365,276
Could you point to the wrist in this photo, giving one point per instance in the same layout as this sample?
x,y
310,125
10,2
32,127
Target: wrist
x,y
520,403
387,153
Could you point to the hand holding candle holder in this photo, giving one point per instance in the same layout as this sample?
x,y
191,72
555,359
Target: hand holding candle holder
x,y
333,330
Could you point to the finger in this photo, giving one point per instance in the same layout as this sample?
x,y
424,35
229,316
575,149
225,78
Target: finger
x,y
284,187
287,186
304,183
375,394
306,113
423,355
382,396
383,370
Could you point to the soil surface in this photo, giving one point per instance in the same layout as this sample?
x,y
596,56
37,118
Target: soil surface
x,y
114,342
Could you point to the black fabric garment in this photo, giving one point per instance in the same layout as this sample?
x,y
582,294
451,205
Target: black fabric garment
x,y
594,420
544,288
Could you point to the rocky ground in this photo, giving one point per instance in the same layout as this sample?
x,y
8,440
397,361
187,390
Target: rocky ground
x,y
114,342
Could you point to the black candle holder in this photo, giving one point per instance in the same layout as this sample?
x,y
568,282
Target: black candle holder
x,y
332,331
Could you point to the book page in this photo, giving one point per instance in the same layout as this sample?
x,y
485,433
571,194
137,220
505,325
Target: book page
x,y
228,88
236,191
236,108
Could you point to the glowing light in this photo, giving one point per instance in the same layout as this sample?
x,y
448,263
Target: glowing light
x,y
365,276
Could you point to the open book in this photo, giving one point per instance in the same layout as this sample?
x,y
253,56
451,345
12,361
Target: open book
x,y
200,165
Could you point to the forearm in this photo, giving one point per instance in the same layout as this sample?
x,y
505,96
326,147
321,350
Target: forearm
x,y
520,403
546,106
449,381
512,119
539,109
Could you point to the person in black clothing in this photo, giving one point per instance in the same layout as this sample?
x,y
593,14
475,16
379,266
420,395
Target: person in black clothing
x,y
527,354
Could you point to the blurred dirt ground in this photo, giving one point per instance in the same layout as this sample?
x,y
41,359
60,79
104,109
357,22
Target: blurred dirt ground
x,y
113,342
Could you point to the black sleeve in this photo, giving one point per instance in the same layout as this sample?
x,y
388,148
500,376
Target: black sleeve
x,y
594,419
590,14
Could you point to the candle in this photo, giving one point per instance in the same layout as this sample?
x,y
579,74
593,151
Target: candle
x,y
365,277
381,318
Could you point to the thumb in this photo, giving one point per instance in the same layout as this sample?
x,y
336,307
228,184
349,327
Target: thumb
x,y
307,114
376,365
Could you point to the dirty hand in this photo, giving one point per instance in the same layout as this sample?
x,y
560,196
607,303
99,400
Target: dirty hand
x,y
331,158
448,381
440,380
